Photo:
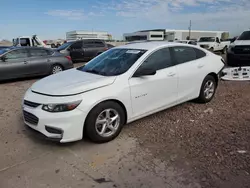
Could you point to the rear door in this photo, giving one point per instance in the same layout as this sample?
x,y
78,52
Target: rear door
x,y
76,51
190,67
90,50
15,65
38,62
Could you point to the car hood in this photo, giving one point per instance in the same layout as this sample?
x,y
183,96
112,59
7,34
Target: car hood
x,y
71,82
242,42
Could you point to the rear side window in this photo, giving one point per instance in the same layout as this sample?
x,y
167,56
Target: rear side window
x,y
98,44
76,46
17,54
199,53
38,52
160,59
88,44
183,54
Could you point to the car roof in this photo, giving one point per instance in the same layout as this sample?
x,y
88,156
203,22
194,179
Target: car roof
x,y
150,45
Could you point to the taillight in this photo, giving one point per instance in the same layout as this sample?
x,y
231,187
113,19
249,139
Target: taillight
x,y
105,49
68,57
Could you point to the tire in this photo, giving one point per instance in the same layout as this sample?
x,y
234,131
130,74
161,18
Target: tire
x,y
53,45
206,97
56,69
224,51
95,131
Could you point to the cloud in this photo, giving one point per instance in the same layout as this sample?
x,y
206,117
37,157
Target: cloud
x,y
68,14
205,14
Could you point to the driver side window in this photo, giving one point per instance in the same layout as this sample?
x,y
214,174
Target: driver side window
x,y
158,60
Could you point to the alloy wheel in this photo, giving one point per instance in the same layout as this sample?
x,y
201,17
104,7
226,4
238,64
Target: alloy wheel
x,y
209,89
107,122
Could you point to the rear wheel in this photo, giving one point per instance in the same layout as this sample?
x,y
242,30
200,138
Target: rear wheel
x,y
105,122
211,49
56,69
208,89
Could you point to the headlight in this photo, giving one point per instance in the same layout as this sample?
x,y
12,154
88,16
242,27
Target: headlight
x,y
61,107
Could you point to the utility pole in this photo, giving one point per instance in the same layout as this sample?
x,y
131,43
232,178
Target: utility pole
x,y
189,28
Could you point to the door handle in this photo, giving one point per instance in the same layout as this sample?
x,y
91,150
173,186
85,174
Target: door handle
x,y
48,60
171,74
200,66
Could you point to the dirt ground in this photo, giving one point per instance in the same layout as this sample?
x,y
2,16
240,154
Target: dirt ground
x,y
191,145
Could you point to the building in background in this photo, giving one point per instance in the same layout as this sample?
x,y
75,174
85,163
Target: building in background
x,y
79,35
171,35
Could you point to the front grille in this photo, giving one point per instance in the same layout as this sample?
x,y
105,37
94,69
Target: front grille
x,y
241,49
30,118
31,104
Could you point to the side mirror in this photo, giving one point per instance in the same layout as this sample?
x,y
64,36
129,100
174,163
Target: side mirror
x,y
144,72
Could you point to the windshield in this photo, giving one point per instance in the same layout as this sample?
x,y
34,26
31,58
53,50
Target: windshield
x,y
244,36
207,39
113,62
64,46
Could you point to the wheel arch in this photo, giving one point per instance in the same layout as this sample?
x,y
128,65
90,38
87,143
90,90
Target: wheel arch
x,y
215,77
108,100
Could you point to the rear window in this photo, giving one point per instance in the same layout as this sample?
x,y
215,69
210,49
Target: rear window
x,y
199,53
244,36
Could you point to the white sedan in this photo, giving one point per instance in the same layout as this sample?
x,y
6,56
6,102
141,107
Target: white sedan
x,y
119,86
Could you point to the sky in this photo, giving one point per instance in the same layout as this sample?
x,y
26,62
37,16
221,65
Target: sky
x,y
51,19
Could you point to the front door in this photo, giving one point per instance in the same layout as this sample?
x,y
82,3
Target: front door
x,y
149,93
77,51
14,65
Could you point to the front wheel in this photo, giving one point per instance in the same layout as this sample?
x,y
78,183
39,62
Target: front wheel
x,y
105,122
224,51
208,89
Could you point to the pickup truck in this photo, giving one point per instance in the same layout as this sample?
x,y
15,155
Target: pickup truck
x,y
238,53
213,44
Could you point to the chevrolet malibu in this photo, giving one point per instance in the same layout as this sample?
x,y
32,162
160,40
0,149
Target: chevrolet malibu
x,y
121,85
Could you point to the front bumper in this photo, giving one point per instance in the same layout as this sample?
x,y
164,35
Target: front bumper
x,y
62,127
236,60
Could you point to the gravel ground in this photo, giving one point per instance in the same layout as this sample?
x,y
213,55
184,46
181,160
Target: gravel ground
x,y
210,142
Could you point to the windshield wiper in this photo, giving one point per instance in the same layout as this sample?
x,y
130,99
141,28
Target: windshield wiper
x,y
95,72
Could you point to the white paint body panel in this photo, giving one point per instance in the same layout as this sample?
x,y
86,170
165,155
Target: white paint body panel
x,y
140,96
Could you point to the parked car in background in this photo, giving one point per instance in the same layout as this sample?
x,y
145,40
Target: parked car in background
x,y
119,86
239,51
110,46
186,42
17,62
214,44
83,50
